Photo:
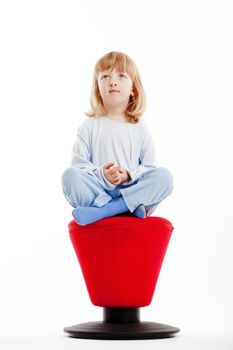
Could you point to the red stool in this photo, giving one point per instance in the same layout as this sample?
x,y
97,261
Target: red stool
x,y
120,258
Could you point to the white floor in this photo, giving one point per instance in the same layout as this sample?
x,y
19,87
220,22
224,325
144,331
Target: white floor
x,y
55,339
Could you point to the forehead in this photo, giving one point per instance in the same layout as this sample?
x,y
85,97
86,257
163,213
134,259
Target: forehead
x,y
112,70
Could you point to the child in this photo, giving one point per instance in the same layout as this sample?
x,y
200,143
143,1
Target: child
x,y
113,168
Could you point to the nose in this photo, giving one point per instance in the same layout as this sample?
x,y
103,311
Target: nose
x,y
113,82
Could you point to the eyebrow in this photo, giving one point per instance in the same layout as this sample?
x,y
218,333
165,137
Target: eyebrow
x,y
108,73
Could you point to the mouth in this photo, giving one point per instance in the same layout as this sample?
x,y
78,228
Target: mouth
x,y
113,91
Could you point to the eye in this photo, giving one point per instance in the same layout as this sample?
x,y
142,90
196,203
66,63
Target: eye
x,y
104,76
122,75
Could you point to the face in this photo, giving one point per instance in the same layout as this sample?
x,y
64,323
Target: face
x,y
115,88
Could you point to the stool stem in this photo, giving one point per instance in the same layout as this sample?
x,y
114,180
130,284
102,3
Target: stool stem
x,y
121,315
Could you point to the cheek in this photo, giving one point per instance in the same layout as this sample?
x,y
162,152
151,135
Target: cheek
x,y
129,89
101,90
102,87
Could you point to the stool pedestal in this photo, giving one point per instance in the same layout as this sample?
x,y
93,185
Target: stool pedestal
x,y
121,324
120,259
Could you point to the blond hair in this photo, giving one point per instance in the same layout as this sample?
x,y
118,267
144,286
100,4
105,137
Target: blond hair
x,y
123,63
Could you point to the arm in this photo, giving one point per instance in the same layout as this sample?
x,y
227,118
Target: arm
x,y
147,158
81,155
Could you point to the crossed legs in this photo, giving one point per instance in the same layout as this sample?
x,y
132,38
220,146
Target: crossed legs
x,y
92,202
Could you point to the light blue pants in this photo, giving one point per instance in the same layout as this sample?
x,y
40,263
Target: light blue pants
x,y
82,188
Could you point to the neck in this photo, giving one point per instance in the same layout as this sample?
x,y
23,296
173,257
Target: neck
x,y
116,114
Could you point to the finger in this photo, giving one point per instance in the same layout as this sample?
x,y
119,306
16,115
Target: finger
x,y
116,181
115,177
113,171
114,174
108,165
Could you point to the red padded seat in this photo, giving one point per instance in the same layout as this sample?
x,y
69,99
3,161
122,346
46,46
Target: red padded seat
x,y
121,257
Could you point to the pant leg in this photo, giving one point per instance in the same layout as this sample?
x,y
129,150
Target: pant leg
x,y
151,189
82,188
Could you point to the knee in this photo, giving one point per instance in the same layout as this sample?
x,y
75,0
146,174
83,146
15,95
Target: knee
x,y
165,177
69,176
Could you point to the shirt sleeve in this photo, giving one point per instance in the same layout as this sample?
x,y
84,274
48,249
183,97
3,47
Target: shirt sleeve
x,y
81,156
147,159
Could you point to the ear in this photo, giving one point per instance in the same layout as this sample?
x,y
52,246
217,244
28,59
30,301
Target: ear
x,y
132,93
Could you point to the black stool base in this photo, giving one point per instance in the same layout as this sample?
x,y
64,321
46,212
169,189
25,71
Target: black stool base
x,y
119,331
120,324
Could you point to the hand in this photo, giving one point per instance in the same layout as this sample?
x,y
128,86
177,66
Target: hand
x,y
115,175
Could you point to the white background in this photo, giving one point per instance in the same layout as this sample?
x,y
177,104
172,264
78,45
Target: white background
x,y
184,52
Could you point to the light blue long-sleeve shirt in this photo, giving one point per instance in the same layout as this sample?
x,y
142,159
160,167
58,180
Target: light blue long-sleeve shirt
x,y
101,140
